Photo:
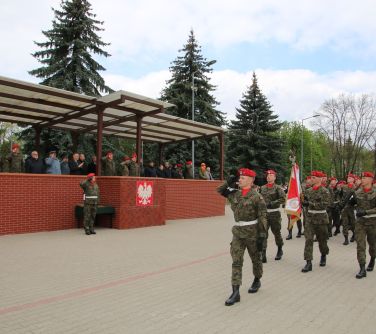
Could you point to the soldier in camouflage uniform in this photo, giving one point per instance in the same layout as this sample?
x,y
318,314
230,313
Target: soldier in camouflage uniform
x,y
316,201
249,230
125,166
365,224
274,197
134,167
108,165
15,160
331,188
91,200
347,214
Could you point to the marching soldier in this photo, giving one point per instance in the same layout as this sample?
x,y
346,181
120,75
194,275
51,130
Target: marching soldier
x,y
274,197
91,200
365,224
316,201
249,230
347,214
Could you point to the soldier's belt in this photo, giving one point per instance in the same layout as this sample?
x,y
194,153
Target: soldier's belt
x,y
272,210
370,216
245,223
86,197
316,211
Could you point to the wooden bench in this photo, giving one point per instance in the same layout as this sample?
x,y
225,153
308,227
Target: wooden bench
x,y
101,210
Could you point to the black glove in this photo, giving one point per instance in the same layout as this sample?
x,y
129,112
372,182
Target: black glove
x,y
305,204
227,191
260,244
360,212
352,200
232,180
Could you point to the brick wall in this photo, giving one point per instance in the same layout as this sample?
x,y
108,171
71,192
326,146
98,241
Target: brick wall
x,y
34,203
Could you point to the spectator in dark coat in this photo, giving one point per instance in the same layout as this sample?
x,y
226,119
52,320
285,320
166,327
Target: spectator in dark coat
x,y
92,167
150,170
34,164
75,165
167,170
64,165
84,166
160,171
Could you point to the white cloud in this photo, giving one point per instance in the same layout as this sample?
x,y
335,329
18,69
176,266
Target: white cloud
x,y
294,94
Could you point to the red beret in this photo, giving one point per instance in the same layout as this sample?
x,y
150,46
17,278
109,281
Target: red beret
x,y
270,171
368,174
15,145
90,175
324,174
317,173
341,182
351,175
126,158
308,177
134,155
179,165
247,172
189,162
333,178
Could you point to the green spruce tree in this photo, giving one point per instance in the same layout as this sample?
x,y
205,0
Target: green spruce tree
x,y
253,138
66,56
191,63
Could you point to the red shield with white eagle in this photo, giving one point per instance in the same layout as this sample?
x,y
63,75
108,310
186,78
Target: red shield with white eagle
x,y
144,193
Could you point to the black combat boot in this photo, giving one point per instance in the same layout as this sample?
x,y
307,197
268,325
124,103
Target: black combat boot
x,y
307,267
337,231
87,232
263,256
352,237
289,237
235,296
323,261
256,284
279,253
346,242
371,264
93,232
299,235
362,272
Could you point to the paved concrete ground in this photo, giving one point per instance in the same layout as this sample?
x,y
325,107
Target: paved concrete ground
x,y
174,279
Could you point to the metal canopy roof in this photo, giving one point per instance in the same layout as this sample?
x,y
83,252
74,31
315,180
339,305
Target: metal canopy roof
x,y
42,106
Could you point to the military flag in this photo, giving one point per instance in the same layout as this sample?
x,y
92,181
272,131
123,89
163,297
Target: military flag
x,y
293,203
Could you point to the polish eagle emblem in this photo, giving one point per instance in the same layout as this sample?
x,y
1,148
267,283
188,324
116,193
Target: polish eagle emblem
x,y
144,193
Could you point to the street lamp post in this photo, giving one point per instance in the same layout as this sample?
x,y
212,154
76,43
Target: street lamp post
x,y
302,147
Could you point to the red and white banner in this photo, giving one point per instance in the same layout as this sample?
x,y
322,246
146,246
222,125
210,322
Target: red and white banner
x,y
144,193
293,203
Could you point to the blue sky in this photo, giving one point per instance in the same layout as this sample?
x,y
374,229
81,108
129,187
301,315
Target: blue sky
x,y
303,52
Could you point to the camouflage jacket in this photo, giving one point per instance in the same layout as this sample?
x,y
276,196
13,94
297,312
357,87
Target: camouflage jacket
x,y
249,207
346,193
331,197
124,168
90,190
318,200
108,166
15,163
366,201
134,169
274,197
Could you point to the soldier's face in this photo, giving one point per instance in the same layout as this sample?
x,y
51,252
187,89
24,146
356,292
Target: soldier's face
x,y
245,182
270,178
333,183
350,180
367,182
316,180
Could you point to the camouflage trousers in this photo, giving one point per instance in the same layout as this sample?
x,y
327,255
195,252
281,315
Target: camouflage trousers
x,y
244,237
90,211
348,221
321,232
363,234
274,222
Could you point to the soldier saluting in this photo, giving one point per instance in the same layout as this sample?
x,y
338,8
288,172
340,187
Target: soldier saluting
x,y
316,201
274,197
249,230
365,224
91,200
